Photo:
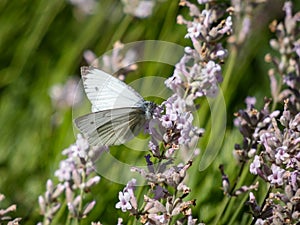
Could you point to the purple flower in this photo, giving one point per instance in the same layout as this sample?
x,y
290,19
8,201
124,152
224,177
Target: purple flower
x,y
66,95
119,61
79,149
255,165
227,27
178,120
158,219
77,153
281,155
85,6
124,203
277,175
220,52
154,148
293,180
260,221
64,173
166,121
139,8
297,47
250,102
202,79
194,30
203,1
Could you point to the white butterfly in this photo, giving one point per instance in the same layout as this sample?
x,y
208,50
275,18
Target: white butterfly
x,y
118,112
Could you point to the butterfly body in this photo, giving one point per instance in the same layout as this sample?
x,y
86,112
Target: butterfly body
x,y
119,113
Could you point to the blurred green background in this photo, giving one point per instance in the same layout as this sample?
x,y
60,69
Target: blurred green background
x,y
42,44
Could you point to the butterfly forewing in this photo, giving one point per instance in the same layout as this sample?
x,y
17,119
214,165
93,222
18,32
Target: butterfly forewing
x,y
107,92
112,127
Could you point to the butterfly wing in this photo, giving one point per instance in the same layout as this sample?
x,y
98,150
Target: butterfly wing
x,y
107,92
111,127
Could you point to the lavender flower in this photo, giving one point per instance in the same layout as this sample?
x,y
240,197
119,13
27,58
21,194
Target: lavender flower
x,y
118,61
127,200
251,122
276,159
49,204
277,175
76,177
255,208
255,165
225,180
4,217
243,13
272,138
124,203
138,8
77,156
162,206
64,96
287,64
172,131
120,222
86,7
198,73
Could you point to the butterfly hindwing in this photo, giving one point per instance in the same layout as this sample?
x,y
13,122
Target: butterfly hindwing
x,y
111,127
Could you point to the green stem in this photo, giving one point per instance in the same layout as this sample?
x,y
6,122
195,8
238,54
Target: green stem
x,y
227,213
69,58
68,222
58,217
81,196
120,31
45,14
237,210
228,200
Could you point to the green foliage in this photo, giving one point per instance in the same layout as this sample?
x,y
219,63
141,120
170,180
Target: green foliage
x,y
42,44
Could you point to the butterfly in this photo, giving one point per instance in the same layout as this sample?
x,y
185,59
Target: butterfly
x,y
119,113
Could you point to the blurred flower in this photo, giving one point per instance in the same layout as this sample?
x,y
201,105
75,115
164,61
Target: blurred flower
x,y
250,102
86,7
80,161
119,61
243,17
120,221
76,178
49,204
138,8
243,189
287,64
96,223
67,95
4,217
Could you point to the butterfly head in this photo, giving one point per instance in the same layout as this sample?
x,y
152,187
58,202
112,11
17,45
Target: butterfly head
x,y
148,108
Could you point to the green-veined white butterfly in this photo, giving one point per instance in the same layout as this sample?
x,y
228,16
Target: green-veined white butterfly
x,y
118,112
